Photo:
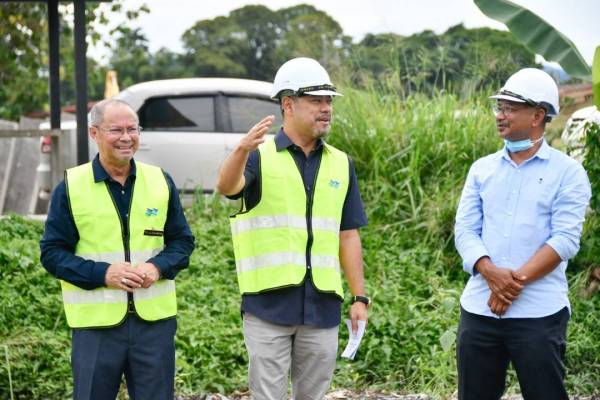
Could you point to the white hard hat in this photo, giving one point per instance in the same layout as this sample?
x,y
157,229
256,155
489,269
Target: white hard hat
x,y
532,86
300,76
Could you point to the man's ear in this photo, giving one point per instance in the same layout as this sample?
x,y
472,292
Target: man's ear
x,y
539,117
93,131
287,105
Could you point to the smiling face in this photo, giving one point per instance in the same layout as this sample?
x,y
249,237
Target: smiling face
x,y
115,145
310,115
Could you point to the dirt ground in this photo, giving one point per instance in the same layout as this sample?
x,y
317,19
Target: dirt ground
x,y
343,394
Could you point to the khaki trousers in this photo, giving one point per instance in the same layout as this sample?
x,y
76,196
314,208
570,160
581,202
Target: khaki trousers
x,y
272,349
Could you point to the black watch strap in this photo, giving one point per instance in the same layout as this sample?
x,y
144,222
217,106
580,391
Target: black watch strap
x,y
363,299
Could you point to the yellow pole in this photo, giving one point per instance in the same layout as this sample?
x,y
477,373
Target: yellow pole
x,y
111,87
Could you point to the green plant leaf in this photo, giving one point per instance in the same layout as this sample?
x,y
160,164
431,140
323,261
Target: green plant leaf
x,y
447,340
538,35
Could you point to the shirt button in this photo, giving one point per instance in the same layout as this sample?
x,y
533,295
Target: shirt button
x,y
509,213
506,235
127,215
122,192
514,191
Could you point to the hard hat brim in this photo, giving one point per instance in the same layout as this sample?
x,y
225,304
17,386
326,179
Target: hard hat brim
x,y
507,97
323,93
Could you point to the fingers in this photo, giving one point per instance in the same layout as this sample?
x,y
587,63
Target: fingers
x,y
262,127
148,281
515,285
496,305
508,287
256,134
125,284
149,274
519,277
354,326
358,311
120,275
134,277
266,120
503,298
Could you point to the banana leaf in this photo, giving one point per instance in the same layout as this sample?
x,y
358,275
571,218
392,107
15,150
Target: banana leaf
x,y
538,35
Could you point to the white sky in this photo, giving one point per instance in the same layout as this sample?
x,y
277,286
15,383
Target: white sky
x,y
576,19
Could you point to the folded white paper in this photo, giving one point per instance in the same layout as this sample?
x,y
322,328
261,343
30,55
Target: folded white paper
x,y
354,339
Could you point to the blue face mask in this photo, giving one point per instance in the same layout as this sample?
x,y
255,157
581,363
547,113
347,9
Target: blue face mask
x,y
520,145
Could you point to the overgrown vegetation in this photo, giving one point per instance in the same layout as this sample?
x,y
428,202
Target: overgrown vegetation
x,y
412,156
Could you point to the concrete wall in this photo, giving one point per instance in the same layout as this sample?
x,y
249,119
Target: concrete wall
x,y
19,158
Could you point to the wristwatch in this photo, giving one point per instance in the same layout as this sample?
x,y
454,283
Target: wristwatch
x,y
363,299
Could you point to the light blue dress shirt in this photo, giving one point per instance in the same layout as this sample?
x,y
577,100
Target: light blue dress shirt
x,y
508,212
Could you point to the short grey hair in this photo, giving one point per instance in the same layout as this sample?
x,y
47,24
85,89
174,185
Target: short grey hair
x,y
99,109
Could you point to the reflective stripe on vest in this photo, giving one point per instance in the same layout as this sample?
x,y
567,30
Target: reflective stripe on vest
x,y
270,240
283,221
274,259
106,295
101,239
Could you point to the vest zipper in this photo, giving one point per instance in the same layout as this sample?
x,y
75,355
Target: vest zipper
x,y
125,238
309,204
309,207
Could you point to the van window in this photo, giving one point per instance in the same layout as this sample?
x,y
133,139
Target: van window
x,y
247,111
193,113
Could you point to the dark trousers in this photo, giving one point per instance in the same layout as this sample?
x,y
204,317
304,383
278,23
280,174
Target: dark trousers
x,y
535,346
143,351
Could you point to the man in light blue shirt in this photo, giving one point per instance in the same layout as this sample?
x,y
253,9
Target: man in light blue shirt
x,y
519,220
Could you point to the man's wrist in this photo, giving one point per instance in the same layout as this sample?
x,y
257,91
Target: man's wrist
x,y
483,265
361,299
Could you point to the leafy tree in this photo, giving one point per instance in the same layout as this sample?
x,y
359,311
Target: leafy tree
x,y
461,59
489,56
253,41
309,32
131,57
23,58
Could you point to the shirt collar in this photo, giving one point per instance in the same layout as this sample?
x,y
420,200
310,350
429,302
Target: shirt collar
x,y
100,173
542,153
282,141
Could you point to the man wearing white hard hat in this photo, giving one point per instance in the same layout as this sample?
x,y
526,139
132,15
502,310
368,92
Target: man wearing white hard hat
x,y
298,226
518,222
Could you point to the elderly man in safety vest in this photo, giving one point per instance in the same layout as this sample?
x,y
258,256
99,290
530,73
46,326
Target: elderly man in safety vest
x,y
116,237
518,223
298,224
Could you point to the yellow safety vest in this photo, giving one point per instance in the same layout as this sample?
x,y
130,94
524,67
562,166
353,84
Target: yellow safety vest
x,y
285,233
101,238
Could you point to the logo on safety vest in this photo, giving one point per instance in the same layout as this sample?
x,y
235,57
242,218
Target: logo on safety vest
x,y
151,212
334,184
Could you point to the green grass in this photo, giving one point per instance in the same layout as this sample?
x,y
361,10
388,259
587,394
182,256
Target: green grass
x,y
412,157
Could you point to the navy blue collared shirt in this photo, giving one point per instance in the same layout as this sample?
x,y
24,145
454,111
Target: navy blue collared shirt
x,y
61,235
304,304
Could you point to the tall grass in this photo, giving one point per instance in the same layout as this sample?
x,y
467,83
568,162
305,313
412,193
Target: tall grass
x,y
412,156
